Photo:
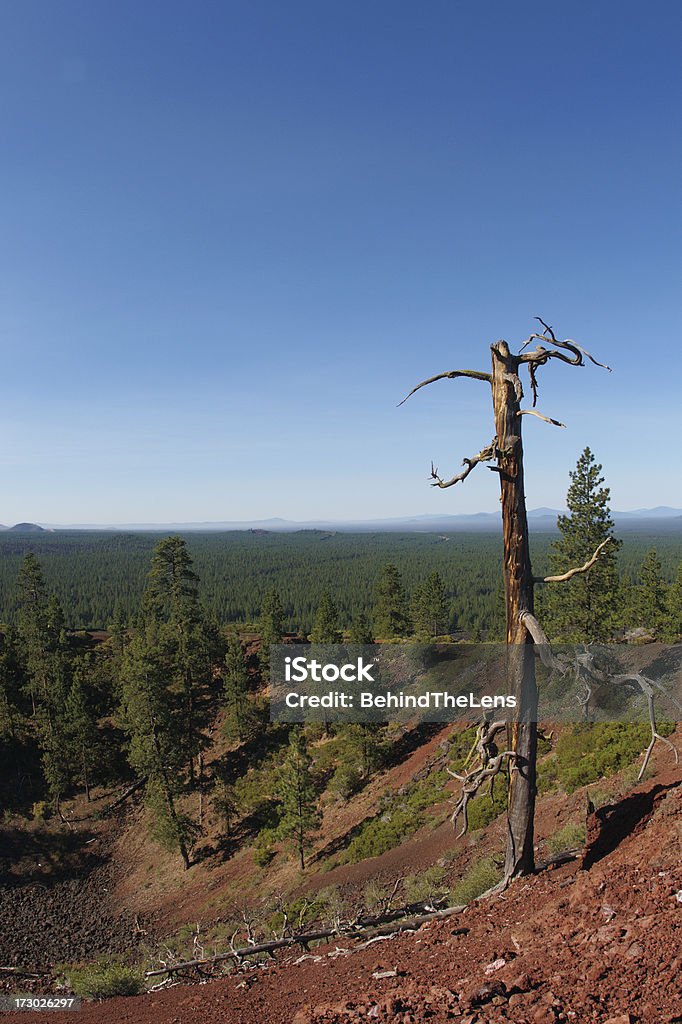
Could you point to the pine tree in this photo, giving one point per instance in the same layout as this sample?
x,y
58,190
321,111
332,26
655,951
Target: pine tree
x,y
584,608
10,687
300,817
326,628
226,805
32,629
271,619
271,626
43,650
651,600
171,601
430,607
81,732
674,627
239,715
155,749
361,630
390,615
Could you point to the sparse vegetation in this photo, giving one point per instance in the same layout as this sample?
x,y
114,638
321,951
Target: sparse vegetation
x,y
483,875
570,837
402,815
104,980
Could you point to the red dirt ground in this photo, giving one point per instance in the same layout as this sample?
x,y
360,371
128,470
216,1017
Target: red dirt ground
x,y
596,941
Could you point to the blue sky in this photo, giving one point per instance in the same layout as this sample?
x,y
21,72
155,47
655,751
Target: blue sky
x,y
233,235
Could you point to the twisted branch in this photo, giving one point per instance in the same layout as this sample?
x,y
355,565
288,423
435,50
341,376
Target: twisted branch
x,y
594,678
541,354
483,456
491,761
565,576
545,419
450,375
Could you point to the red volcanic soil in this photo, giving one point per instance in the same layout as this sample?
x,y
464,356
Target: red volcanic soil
x,y
595,940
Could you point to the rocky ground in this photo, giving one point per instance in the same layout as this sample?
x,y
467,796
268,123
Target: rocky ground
x,y
63,922
596,940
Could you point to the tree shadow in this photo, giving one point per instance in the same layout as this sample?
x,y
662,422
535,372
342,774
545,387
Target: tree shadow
x,y
44,856
615,822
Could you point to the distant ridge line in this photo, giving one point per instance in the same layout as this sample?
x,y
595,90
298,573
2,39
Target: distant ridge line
x,y
541,519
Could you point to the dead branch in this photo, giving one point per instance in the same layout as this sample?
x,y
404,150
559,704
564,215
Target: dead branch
x,y
449,375
545,419
483,456
541,354
404,924
541,641
646,686
490,764
124,796
565,576
593,678
472,782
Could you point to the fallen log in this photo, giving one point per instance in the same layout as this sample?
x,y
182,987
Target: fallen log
x,y
404,924
122,799
22,972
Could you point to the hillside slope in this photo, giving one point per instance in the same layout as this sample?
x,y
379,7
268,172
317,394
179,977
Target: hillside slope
x,y
599,940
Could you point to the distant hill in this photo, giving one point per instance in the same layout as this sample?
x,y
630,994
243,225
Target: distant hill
x,y
541,520
26,528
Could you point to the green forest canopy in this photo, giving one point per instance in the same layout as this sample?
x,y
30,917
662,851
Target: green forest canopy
x,y
93,573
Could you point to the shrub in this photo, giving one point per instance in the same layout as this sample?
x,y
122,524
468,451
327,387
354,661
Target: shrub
x,y
103,980
478,879
262,849
590,752
570,837
426,886
483,809
346,780
402,815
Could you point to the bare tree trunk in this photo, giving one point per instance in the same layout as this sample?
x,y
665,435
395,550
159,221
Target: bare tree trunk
x,y
507,450
518,585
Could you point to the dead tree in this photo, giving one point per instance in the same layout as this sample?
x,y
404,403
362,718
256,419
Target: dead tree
x,y
505,452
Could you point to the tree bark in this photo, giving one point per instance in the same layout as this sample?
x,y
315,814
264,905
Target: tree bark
x,y
518,586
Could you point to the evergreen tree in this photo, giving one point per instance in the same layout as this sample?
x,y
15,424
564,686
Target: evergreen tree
x,y
155,748
271,619
430,607
300,817
271,627
651,601
390,615
364,743
171,601
326,629
10,687
584,608
239,715
226,805
81,732
32,631
361,630
674,628
43,650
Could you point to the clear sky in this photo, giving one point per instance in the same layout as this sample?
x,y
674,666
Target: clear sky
x,y
234,234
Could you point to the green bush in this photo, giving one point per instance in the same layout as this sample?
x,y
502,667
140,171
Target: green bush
x,y
483,809
592,751
478,879
262,849
426,886
346,780
570,837
103,980
402,815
